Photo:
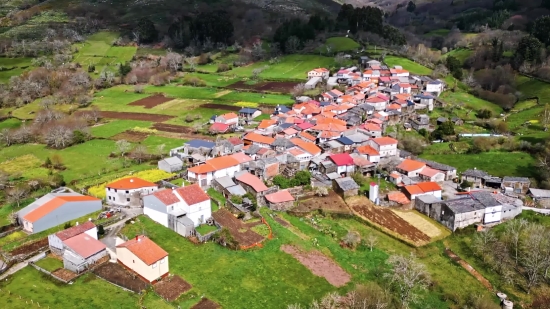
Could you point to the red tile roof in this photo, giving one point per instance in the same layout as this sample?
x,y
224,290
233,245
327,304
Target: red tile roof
x,y
309,147
341,159
384,141
219,127
214,164
145,249
229,116
257,138
55,203
296,152
241,157
192,194
279,197
361,161
409,165
398,197
130,183
266,123
75,230
371,127
252,181
304,125
166,196
429,186
366,149
235,141
307,136
414,189
429,172
84,245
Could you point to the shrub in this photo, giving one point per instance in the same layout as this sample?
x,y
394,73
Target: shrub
x,y
236,199
138,89
91,68
193,81
466,184
484,114
222,67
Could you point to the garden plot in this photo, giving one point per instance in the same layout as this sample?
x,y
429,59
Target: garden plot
x,y
132,116
116,274
284,87
222,107
171,288
242,233
152,101
388,220
320,265
64,274
30,247
206,303
331,203
423,224
131,136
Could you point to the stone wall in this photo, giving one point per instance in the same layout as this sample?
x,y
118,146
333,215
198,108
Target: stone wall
x,y
282,206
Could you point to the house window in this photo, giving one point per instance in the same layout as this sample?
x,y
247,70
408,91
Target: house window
x,y
109,197
128,199
154,265
115,190
171,207
127,191
163,260
114,198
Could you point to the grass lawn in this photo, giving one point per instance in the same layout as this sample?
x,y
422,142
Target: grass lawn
x,y
152,141
339,44
114,127
21,65
461,54
413,67
28,166
470,102
49,263
437,32
10,123
293,67
28,111
495,163
205,229
87,291
217,197
214,80
533,88
98,50
144,51
13,236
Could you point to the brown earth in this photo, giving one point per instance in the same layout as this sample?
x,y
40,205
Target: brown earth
x,y
131,136
130,116
172,128
171,288
470,269
387,219
118,275
284,87
331,203
282,222
320,265
30,247
152,101
206,303
221,107
240,231
64,274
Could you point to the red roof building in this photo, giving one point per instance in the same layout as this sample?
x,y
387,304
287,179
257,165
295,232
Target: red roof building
x,y
279,197
341,159
218,128
85,245
130,183
252,181
192,194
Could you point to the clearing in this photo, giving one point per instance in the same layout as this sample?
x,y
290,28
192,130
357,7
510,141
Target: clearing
x,y
242,232
98,50
320,265
432,229
338,44
133,116
206,303
131,136
283,87
50,263
115,127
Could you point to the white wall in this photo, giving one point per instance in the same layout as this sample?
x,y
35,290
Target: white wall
x,y
493,214
149,272
92,232
156,215
120,197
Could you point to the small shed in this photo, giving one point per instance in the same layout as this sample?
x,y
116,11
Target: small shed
x,y
345,187
249,113
171,165
280,200
312,83
442,120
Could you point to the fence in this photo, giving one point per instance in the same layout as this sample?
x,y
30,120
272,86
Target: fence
x,y
206,237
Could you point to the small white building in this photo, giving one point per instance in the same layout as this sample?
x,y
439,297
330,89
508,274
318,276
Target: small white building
x,y
147,259
410,167
128,191
55,241
434,86
319,72
171,164
230,119
386,146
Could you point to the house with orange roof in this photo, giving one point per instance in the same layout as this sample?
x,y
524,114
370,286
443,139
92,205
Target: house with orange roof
x,y
385,145
308,147
319,72
370,153
267,125
430,174
307,137
217,167
251,184
423,188
373,130
253,138
230,119
144,257
399,72
378,103
128,191
180,210
54,209
410,167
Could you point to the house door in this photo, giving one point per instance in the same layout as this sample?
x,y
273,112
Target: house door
x,y
203,182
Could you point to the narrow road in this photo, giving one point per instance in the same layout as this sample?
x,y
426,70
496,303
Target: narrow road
x,y
15,268
539,210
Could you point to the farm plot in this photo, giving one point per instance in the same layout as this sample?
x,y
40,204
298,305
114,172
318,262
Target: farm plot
x,y
115,127
132,116
50,263
241,232
172,287
433,230
152,101
172,128
331,203
30,247
116,274
320,265
98,50
284,87
64,274
206,303
407,64
131,136
231,108
388,220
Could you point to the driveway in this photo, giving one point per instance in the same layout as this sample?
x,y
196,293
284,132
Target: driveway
x,y
449,189
111,231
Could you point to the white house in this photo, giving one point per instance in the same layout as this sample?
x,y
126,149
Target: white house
x,y
386,146
430,174
189,201
378,103
55,241
344,162
230,119
147,259
369,152
399,72
434,86
410,167
126,191
319,72
217,167
423,188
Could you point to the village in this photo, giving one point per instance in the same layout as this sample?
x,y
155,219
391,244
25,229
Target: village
x,y
332,147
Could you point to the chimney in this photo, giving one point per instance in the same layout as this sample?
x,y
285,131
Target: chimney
x,y
76,223
131,180
137,238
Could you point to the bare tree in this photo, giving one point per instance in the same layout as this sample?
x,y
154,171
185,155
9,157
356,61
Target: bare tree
x,y
370,296
339,59
321,191
298,90
192,62
139,153
95,113
58,136
23,135
17,194
4,179
257,51
371,241
160,150
513,231
482,242
292,45
6,135
329,301
123,146
352,239
173,61
407,277
535,254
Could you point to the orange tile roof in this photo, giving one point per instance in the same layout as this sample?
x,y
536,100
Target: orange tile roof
x,y
192,194
329,127
329,134
320,70
307,136
241,157
429,186
214,164
384,141
361,161
279,197
252,181
368,150
309,147
290,131
55,203
327,115
414,189
403,96
409,165
130,183
255,137
371,127
166,196
145,249
229,116
266,123
429,172
395,175
394,106
296,152
398,197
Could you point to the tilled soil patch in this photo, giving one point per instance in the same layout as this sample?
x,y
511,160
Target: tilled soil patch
x,y
64,274
331,203
206,303
152,101
30,247
242,234
320,265
221,107
172,287
118,275
172,128
130,116
131,136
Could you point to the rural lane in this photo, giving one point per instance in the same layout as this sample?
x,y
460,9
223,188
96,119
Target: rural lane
x,y
540,211
15,268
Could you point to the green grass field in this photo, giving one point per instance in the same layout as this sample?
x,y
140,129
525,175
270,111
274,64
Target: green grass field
x,y
339,44
470,102
294,67
114,127
408,65
21,65
152,141
460,53
495,163
533,88
49,263
98,50
437,32
10,123
28,111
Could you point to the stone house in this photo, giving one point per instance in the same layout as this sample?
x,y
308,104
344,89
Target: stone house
x,y
519,185
345,187
474,176
281,200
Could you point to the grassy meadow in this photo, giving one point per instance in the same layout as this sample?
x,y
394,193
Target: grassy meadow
x,y
413,67
98,50
339,44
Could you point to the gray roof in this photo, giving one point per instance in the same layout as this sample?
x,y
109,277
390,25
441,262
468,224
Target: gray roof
x,y
347,183
442,119
358,138
475,173
236,190
173,161
253,149
225,181
428,199
485,198
282,142
436,165
334,144
516,179
539,193
185,221
332,176
463,205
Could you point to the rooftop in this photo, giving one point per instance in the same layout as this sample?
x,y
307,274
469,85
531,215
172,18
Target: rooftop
x,y
75,230
252,181
198,143
145,249
409,165
341,159
84,245
192,194
55,201
279,197
347,183
130,183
